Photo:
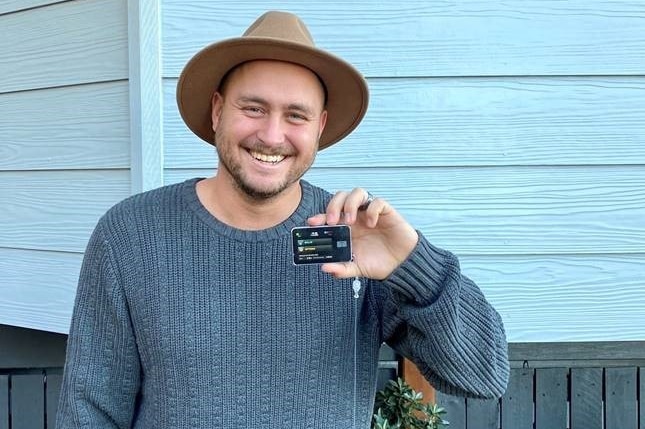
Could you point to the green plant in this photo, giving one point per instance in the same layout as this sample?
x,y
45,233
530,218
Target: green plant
x,y
398,406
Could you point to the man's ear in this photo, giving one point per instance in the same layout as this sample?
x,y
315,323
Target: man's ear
x,y
323,122
217,102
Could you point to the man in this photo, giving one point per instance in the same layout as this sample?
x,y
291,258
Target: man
x,y
190,312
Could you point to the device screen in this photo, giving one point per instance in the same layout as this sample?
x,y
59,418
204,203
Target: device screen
x,y
321,244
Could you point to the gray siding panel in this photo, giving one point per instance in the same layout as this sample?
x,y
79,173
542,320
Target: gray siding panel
x,y
64,44
514,145
38,288
417,38
9,6
57,210
483,211
78,127
514,121
65,151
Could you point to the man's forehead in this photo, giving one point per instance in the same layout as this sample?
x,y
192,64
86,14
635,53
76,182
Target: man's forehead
x,y
249,68
250,74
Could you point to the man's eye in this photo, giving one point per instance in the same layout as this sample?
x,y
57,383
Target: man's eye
x,y
253,110
297,117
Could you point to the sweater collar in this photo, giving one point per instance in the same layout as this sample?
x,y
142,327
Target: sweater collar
x,y
299,217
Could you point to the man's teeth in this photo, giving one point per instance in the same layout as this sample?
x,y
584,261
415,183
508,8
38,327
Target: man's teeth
x,y
267,158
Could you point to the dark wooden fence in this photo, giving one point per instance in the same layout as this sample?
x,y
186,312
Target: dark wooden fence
x,y
562,386
30,377
29,398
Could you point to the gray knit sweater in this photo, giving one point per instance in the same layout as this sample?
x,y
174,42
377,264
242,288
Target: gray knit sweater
x,y
181,321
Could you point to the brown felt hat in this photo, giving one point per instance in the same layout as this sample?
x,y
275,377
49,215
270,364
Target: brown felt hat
x,y
278,36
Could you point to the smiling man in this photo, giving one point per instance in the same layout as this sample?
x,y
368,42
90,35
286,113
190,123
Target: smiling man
x,y
190,312
267,119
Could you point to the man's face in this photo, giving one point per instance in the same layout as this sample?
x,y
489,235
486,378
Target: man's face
x,y
267,122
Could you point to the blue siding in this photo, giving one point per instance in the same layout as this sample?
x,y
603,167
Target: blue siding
x,y
509,133
64,147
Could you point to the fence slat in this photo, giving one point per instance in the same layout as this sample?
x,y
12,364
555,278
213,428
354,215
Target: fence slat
x,y
4,402
551,398
482,413
586,398
54,381
517,402
620,400
27,401
641,404
455,409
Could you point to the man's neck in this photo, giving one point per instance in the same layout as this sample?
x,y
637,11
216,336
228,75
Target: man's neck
x,y
232,207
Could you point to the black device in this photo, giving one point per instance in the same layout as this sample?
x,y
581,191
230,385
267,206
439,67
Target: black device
x,y
321,244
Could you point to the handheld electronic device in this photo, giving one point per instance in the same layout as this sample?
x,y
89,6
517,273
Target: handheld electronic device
x,y
321,244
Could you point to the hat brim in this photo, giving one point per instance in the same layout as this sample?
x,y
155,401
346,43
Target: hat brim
x,y
347,92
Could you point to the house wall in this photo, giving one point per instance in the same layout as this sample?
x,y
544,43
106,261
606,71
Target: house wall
x,y
509,133
64,147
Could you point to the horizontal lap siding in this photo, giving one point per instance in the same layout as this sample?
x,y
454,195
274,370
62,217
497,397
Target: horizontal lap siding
x,y
57,210
471,122
83,126
443,38
12,6
64,44
28,277
65,147
511,134
47,217
484,211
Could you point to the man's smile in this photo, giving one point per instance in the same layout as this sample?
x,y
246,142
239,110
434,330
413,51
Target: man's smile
x,y
271,159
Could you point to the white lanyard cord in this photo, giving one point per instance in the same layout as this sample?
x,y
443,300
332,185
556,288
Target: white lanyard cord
x,y
356,287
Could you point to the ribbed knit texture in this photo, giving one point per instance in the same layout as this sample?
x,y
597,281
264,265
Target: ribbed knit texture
x,y
181,321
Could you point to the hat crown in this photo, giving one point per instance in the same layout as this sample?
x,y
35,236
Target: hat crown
x,y
282,26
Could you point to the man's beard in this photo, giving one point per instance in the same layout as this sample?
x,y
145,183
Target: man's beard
x,y
254,193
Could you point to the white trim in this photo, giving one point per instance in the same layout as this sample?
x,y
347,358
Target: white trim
x,y
146,122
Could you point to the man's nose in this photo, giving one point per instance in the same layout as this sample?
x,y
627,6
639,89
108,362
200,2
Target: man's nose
x,y
272,131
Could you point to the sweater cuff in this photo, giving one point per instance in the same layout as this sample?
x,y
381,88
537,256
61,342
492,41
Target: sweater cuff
x,y
421,277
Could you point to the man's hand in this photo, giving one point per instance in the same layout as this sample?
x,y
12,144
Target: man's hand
x,y
381,238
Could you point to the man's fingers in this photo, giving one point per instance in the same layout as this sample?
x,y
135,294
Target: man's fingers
x,y
376,208
344,206
335,207
317,220
341,270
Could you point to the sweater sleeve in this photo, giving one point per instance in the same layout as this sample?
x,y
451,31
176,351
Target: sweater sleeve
x,y
439,319
102,370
